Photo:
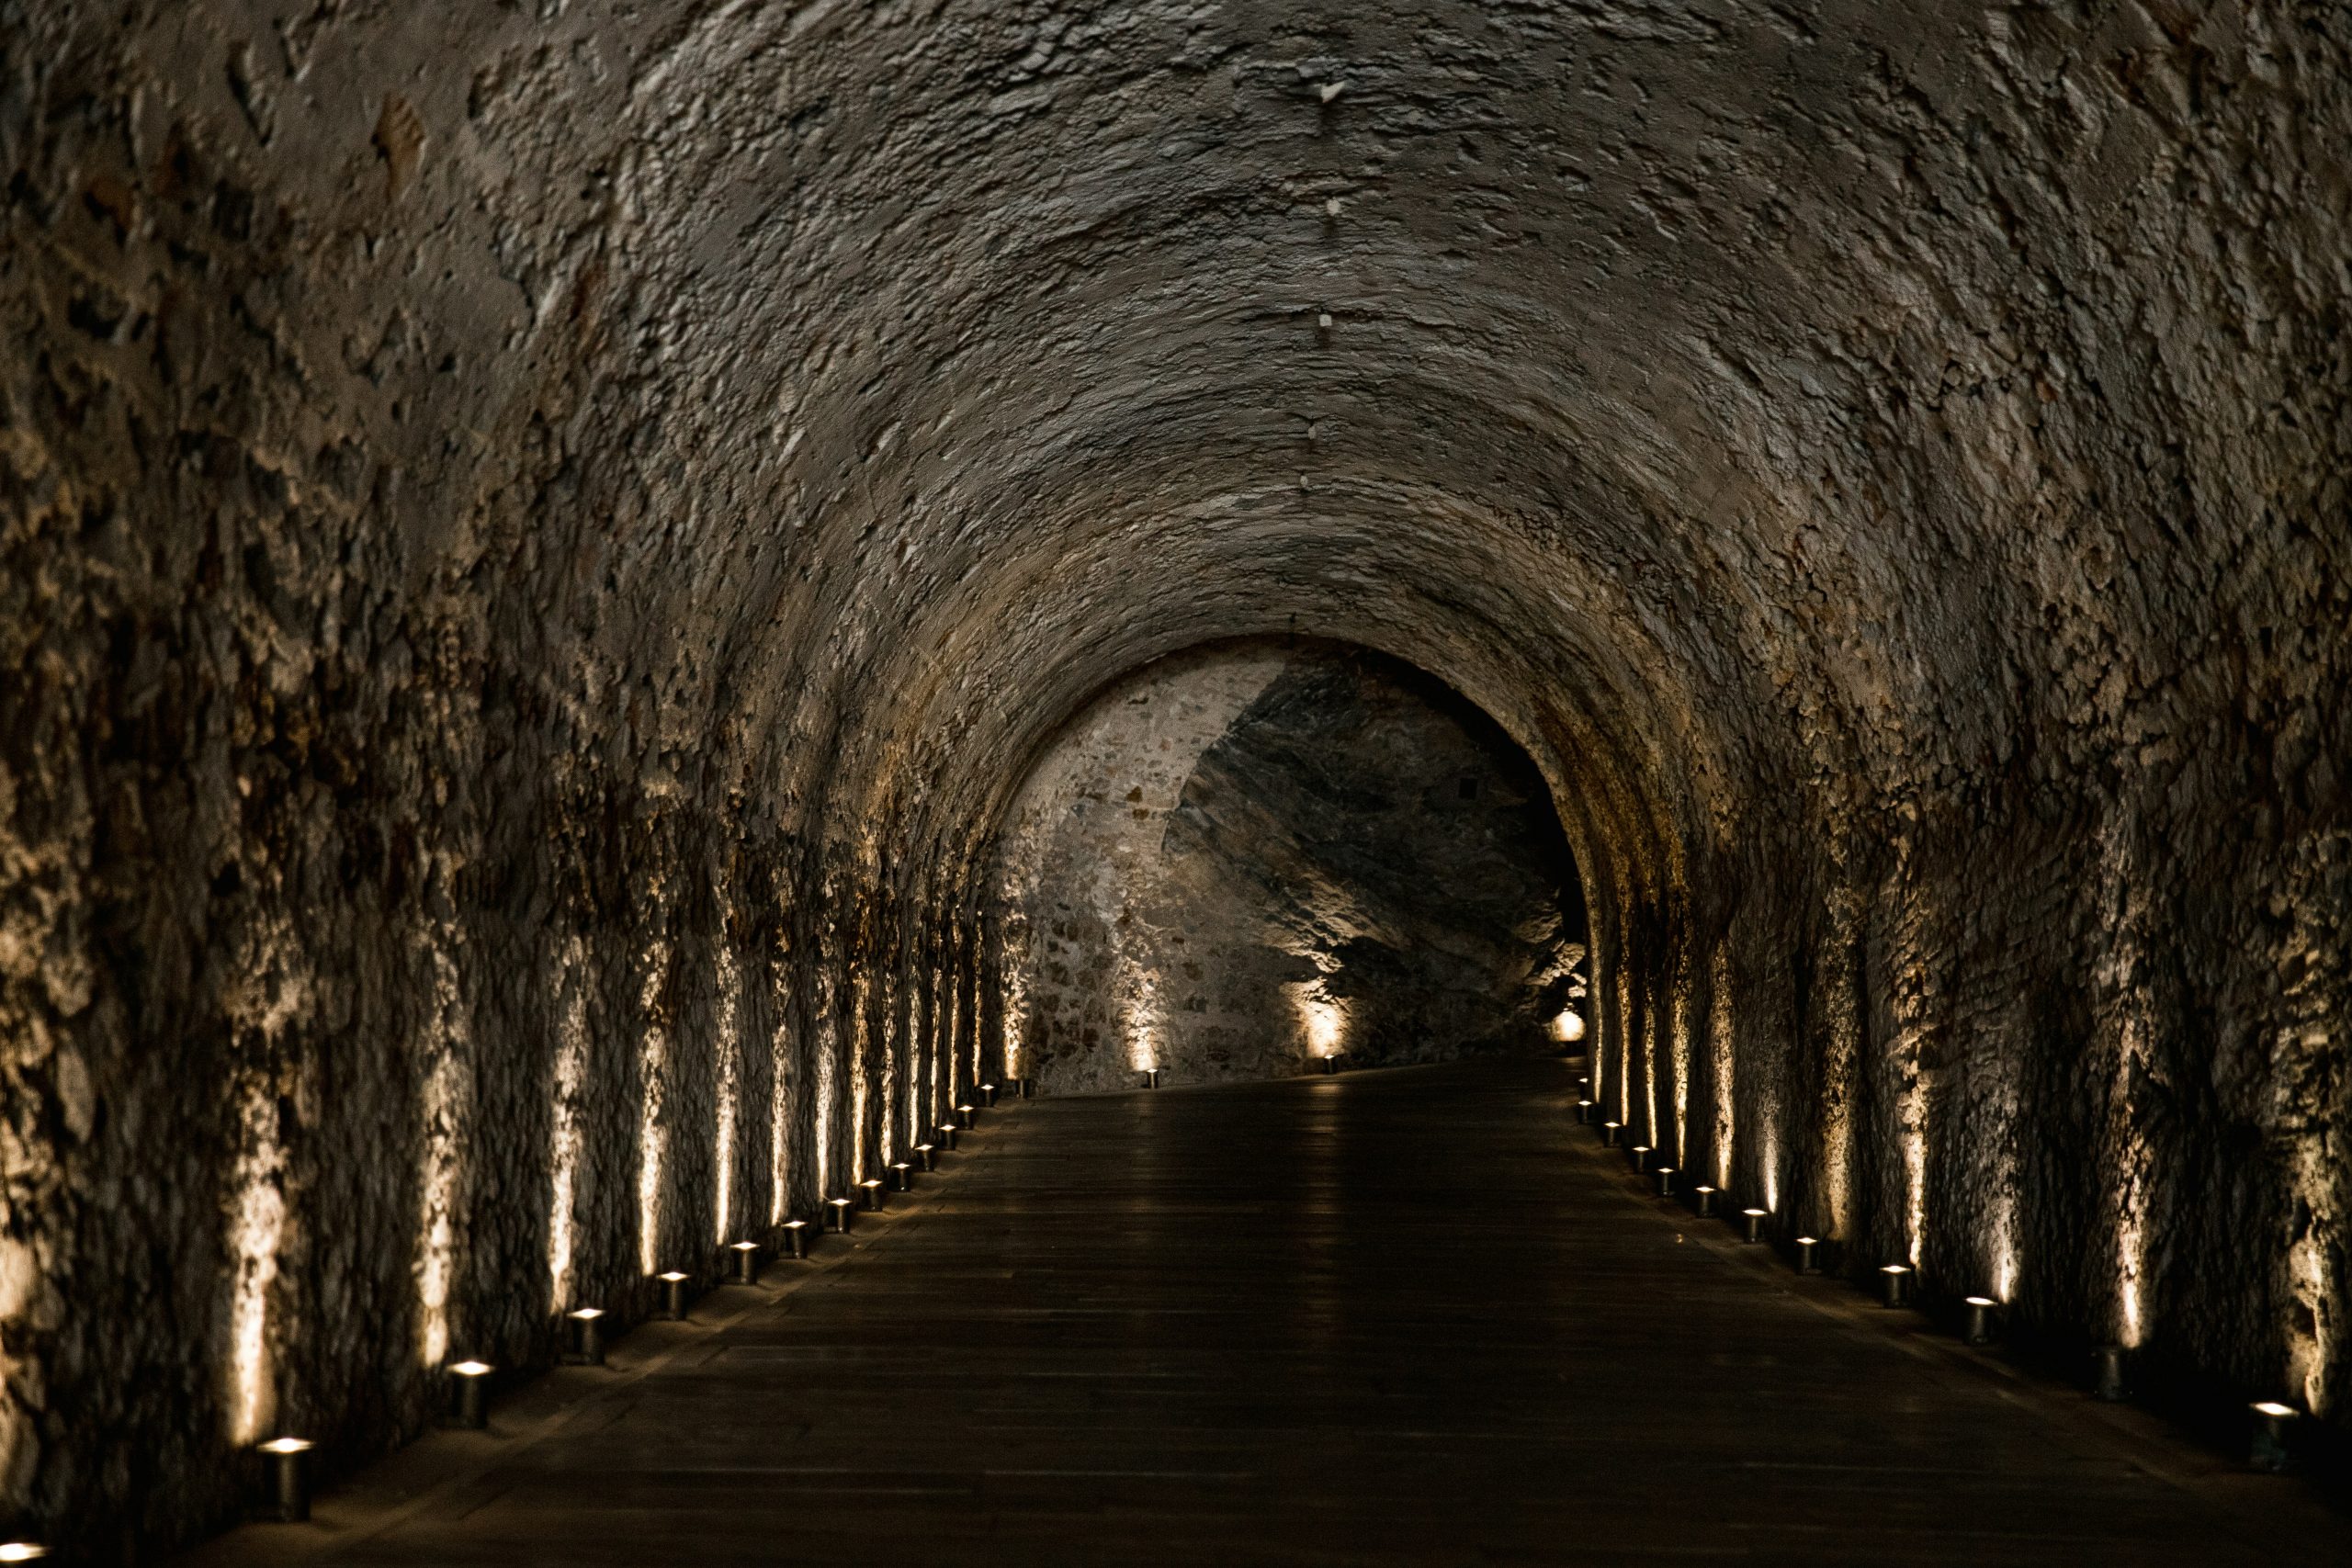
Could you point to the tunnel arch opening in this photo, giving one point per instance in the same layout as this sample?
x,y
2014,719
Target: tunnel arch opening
x,y
1254,856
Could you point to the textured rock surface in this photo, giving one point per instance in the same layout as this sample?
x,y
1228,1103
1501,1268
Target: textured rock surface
x,y
1245,859
536,543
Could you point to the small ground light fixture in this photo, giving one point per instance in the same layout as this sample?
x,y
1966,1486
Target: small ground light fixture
x,y
1584,1113
747,1262
1640,1155
838,1210
796,1237
1751,1226
289,1477
1609,1130
926,1155
966,1116
1895,1284
587,1337
1702,1199
1976,1324
946,1131
674,1295
869,1194
988,1094
902,1176
2272,1423
472,1380
1806,1262
1151,1078
1666,1175
22,1551
2108,1380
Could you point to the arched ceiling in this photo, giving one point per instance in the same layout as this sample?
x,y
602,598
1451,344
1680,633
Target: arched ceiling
x,y
1741,395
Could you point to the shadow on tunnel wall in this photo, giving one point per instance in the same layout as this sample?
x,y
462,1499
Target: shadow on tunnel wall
x,y
1252,856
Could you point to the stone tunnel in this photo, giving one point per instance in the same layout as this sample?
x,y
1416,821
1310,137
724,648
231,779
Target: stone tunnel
x,y
607,607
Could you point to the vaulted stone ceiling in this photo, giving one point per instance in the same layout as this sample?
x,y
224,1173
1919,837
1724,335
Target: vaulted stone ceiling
x,y
523,513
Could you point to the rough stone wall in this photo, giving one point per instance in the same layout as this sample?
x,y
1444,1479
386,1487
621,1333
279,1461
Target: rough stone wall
x,y
520,522
1244,859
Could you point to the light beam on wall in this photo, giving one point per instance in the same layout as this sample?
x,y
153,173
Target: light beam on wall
x,y
727,1043
860,1021
828,1086
448,1105
2312,1324
1322,1018
1719,1059
886,1124
943,1039
256,1230
272,991
1841,1048
563,1121
781,1086
1623,1031
1681,1069
652,1137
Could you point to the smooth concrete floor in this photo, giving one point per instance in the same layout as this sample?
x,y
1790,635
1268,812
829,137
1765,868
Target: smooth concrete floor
x,y
1400,1318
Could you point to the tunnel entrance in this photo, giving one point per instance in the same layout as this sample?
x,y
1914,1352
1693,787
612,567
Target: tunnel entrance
x,y
1249,858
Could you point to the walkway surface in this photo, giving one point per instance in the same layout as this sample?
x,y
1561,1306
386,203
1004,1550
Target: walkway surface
x,y
1402,1318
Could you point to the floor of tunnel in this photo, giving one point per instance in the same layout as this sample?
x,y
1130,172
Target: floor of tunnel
x,y
1411,1316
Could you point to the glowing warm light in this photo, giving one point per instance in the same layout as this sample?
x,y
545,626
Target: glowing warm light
x,y
652,1136
727,1043
671,1278
780,1096
564,1138
1322,1018
860,1084
1841,1048
828,1074
587,1315
1756,1213
1719,1056
942,1033
1568,1027
886,1126
286,1445
471,1368
2275,1410
1979,1300
448,1105
21,1551
257,1228
2313,1320
1915,1166
1624,1050
1680,1045
1803,1240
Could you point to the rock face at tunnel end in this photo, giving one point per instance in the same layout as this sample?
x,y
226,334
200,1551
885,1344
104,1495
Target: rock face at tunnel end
x,y
1245,859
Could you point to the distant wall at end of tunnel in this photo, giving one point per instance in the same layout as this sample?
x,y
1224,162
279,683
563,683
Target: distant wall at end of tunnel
x,y
1245,859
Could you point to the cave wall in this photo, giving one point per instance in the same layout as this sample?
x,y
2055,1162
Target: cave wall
x,y
1245,859
537,544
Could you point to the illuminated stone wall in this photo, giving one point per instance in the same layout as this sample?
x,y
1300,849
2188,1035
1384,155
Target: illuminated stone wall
x,y
1248,858
537,544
